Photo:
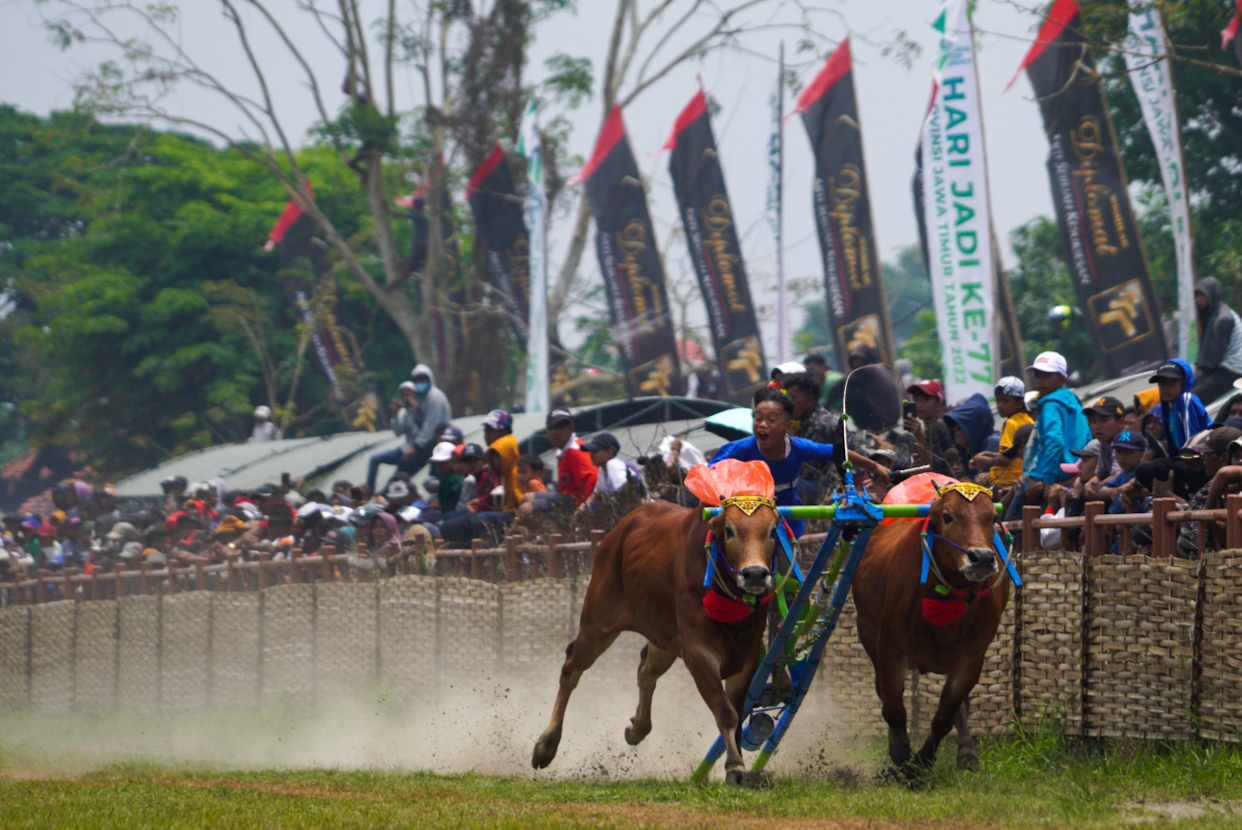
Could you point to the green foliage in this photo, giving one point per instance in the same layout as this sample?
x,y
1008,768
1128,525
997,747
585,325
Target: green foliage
x,y
569,79
1209,102
151,320
1039,282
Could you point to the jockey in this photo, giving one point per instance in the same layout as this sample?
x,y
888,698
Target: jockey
x,y
785,455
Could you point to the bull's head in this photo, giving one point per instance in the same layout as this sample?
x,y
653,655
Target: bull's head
x,y
746,527
964,515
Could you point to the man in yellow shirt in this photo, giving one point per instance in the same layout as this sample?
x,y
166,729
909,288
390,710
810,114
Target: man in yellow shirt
x,y
1005,467
502,455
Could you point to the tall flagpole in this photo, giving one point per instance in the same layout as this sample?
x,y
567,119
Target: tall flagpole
x,y
776,199
537,369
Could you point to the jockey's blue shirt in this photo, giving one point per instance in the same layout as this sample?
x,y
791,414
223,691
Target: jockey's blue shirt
x,y
798,451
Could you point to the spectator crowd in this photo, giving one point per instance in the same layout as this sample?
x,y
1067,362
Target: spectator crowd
x,y
1034,443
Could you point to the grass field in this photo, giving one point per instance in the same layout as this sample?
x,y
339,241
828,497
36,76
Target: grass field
x,y
1036,780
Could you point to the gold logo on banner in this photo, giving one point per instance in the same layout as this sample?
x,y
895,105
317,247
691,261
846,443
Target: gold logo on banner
x,y
655,377
743,357
717,219
844,190
1105,213
863,331
1122,315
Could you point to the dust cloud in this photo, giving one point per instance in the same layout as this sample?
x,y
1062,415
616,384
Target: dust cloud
x,y
487,724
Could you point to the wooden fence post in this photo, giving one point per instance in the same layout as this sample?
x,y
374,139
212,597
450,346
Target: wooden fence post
x,y
1030,534
264,557
556,562
1094,540
511,559
1233,521
1163,534
476,564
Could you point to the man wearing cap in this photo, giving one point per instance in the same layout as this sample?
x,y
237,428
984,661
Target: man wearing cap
x,y
1128,449
264,429
502,455
1181,412
1004,467
404,426
616,478
928,426
1208,452
1104,416
1060,427
575,474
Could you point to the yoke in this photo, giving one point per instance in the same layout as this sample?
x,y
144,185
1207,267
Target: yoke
x,y
800,639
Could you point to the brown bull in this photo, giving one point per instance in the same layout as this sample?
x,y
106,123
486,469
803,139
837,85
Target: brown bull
x,y
648,577
895,623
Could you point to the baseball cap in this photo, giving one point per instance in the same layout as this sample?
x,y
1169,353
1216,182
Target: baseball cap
x,y
602,441
1091,450
338,538
452,435
1222,438
397,490
1051,362
443,451
1071,469
1012,386
263,412
1107,406
498,419
931,388
131,551
265,491
791,367
556,416
122,530
230,524
471,451
1128,440
1170,369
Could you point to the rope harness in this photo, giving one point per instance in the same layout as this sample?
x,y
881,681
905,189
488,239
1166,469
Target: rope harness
x,y
721,601
954,601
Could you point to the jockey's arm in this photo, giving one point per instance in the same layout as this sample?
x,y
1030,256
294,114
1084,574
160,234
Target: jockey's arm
x,y
878,471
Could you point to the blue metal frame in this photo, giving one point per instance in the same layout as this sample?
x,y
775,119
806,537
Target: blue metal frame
x,y
854,516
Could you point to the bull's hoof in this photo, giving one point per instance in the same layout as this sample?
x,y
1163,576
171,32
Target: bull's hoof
x,y
545,751
910,775
634,735
747,778
968,761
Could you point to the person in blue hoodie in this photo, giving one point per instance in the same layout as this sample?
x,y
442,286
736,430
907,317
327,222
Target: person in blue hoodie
x,y
1181,413
974,427
1060,428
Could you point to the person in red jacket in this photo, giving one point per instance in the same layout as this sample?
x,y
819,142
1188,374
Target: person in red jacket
x,y
575,474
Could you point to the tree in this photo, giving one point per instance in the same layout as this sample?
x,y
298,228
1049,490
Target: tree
x,y
149,322
470,60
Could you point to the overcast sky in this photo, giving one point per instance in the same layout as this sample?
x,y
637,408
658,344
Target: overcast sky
x,y
891,99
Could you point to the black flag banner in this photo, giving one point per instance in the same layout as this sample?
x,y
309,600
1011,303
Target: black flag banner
x,y
698,182
1012,359
633,273
1099,236
857,307
502,233
333,342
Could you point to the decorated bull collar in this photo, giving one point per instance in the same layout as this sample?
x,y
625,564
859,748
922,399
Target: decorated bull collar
x,y
952,602
748,504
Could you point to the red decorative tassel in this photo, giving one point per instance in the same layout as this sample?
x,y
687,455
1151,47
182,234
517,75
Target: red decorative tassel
x,y
722,609
943,611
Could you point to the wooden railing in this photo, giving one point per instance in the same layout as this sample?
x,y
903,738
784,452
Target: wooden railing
x,y
520,559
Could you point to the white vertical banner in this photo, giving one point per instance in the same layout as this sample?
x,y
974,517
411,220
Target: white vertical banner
x,y
537,369
957,213
1147,60
775,202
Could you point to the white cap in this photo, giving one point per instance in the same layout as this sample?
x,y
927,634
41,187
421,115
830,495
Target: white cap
x,y
791,367
411,513
443,451
1051,362
1012,386
262,412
